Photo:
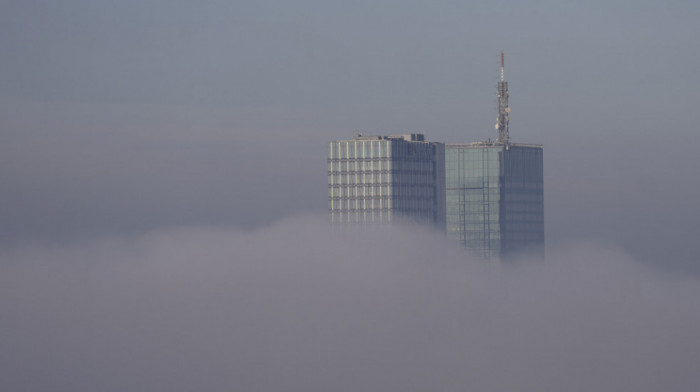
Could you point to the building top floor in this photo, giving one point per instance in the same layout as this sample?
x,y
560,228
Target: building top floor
x,y
409,137
490,143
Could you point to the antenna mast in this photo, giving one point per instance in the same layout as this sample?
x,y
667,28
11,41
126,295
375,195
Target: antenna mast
x,y
503,109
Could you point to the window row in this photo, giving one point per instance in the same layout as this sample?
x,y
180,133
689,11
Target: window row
x,y
376,179
418,173
379,148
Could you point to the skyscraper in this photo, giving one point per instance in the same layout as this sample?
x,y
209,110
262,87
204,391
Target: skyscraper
x,y
379,179
494,191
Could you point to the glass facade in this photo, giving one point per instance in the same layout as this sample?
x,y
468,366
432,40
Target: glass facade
x,y
377,179
494,198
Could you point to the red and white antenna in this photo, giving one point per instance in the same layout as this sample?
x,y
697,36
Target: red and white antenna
x,y
503,79
503,109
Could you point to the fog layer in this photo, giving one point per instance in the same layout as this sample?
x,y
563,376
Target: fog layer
x,y
294,306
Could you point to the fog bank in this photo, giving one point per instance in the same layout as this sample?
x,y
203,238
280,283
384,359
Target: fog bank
x,y
295,306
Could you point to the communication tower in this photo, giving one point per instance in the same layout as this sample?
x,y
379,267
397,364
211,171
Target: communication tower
x,y
503,109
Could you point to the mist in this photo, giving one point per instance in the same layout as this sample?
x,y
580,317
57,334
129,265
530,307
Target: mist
x,y
295,306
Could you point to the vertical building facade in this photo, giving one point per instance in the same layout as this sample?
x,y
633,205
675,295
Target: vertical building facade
x,y
495,191
379,179
495,199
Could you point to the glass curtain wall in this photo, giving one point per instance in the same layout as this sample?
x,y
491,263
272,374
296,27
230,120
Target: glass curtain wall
x,y
359,185
494,195
523,215
473,178
374,180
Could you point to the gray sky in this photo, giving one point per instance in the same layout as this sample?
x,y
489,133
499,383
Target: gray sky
x,y
123,117
119,117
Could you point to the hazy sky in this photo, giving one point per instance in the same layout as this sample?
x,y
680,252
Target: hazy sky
x,y
122,117
163,171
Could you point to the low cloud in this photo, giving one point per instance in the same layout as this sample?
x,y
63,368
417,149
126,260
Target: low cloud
x,y
297,306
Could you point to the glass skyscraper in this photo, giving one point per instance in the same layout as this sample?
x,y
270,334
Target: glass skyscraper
x,y
495,203
494,191
379,179
488,195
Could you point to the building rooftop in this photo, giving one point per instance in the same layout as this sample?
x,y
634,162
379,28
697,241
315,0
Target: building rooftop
x,y
494,143
409,137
